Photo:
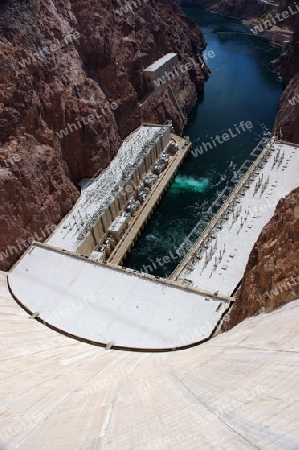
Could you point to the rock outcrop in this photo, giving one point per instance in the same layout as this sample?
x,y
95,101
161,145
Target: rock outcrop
x,y
272,272
71,89
240,9
287,119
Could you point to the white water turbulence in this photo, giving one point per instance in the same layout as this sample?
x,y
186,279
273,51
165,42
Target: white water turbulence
x,y
186,183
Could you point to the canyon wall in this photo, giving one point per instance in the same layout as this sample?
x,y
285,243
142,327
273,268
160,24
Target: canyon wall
x,y
240,9
287,119
71,89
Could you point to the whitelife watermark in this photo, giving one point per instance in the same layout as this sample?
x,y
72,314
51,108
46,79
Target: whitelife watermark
x,y
180,69
294,100
273,20
45,52
142,386
22,424
172,256
224,137
73,307
75,126
233,404
197,335
22,244
13,159
55,342
283,286
129,6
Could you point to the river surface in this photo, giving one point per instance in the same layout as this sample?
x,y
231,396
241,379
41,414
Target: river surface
x,y
241,87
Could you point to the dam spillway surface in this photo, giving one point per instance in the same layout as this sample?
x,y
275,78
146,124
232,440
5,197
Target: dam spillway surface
x,y
239,390
106,305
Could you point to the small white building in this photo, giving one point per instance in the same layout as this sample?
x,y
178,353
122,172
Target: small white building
x,y
118,227
157,71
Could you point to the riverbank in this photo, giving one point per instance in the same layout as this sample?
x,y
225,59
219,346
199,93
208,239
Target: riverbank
x,y
262,18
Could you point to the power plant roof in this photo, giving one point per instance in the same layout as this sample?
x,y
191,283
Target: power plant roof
x,y
153,67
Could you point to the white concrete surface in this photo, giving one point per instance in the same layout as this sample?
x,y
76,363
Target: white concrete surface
x,y
234,241
97,194
105,305
237,391
160,62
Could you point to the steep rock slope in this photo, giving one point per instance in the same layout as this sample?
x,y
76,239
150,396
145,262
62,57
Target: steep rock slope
x,y
240,9
60,64
287,119
271,276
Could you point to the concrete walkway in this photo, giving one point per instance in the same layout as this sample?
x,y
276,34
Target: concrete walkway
x,y
238,391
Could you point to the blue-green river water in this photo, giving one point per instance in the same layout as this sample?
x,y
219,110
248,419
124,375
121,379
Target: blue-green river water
x,y
241,87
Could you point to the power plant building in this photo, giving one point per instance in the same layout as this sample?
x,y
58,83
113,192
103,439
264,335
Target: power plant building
x,y
103,200
157,70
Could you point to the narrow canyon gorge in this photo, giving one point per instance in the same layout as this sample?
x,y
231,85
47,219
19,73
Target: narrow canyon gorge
x,y
149,224
64,61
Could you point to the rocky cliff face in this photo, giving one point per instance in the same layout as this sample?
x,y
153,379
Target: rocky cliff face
x,y
240,9
272,273
71,89
287,119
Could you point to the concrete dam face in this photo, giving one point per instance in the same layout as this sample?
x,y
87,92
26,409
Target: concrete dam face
x,y
230,392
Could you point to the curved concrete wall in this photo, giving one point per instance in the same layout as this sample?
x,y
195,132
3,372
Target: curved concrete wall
x,y
101,304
